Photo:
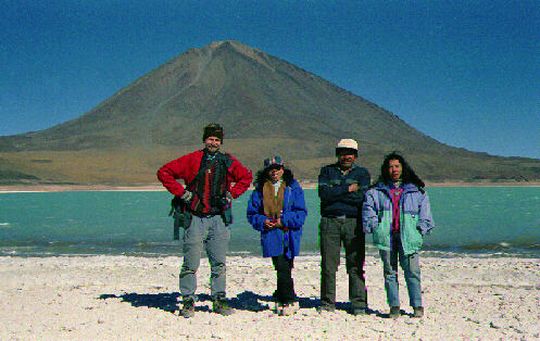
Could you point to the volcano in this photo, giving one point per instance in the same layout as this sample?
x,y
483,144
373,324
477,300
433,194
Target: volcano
x,y
266,106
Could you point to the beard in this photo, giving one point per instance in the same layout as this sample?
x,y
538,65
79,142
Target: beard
x,y
212,148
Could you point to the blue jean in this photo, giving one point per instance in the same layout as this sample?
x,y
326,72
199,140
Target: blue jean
x,y
211,233
411,269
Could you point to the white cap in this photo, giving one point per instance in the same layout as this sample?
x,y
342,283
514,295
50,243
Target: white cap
x,y
347,144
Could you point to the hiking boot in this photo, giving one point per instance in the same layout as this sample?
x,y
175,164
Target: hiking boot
x,y
221,307
395,312
326,308
288,309
188,309
278,307
418,312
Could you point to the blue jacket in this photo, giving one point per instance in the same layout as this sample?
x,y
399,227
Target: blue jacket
x,y
415,216
334,190
293,216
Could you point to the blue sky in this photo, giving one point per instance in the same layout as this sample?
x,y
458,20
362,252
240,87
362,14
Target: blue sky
x,y
466,73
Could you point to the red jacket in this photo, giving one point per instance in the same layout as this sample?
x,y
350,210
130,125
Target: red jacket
x,y
187,167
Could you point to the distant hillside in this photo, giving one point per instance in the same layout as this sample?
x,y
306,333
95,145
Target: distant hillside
x,y
266,106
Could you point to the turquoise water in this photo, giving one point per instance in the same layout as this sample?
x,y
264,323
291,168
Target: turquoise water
x,y
469,219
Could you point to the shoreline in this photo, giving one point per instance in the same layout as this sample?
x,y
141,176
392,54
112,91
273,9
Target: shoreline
x,y
31,188
371,251
106,296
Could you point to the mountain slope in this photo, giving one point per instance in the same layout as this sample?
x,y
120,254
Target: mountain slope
x,y
266,106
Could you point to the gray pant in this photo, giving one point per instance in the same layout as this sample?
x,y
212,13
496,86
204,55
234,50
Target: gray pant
x,y
211,233
332,233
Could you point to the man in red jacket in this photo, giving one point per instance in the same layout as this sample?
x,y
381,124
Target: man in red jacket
x,y
212,179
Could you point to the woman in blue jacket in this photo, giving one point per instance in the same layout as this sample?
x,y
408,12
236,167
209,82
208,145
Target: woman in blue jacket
x,y
397,211
277,210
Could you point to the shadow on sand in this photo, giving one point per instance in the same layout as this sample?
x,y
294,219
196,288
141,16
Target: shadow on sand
x,y
247,300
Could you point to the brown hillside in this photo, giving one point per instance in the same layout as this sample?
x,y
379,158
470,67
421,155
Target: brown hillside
x,y
266,106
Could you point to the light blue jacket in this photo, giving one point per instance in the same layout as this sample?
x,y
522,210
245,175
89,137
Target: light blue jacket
x,y
415,216
294,214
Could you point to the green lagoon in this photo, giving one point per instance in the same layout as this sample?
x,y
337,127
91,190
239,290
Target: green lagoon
x,y
484,220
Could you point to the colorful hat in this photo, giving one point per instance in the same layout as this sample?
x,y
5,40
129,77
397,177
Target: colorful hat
x,y
275,160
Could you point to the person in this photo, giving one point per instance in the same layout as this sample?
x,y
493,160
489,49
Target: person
x,y
212,179
398,213
277,210
341,190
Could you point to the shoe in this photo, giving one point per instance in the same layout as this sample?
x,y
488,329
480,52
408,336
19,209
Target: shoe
x,y
188,309
288,309
358,311
221,307
395,312
326,308
278,307
418,312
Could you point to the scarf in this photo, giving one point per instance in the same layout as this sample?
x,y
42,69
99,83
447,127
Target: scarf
x,y
272,203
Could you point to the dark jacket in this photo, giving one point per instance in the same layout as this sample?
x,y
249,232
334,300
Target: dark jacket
x,y
294,214
334,194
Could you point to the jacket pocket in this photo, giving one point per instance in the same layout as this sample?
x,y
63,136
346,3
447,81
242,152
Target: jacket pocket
x,y
412,239
381,234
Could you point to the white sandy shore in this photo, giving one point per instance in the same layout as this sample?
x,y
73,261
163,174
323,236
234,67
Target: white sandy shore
x,y
118,297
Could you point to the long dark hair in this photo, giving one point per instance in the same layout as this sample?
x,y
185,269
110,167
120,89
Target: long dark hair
x,y
264,175
407,176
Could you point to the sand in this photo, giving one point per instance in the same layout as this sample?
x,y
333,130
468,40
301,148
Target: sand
x,y
120,297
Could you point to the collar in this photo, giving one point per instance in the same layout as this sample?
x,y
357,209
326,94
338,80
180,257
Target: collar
x,y
354,166
407,187
210,156
277,183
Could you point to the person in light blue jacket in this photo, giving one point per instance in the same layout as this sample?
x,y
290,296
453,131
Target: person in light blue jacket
x,y
277,210
397,211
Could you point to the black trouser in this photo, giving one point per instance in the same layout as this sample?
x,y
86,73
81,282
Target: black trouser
x,y
332,233
285,284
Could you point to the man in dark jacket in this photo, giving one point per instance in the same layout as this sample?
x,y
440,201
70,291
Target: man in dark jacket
x,y
209,176
341,189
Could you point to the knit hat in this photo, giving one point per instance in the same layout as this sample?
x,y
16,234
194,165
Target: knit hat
x,y
273,161
347,145
213,129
